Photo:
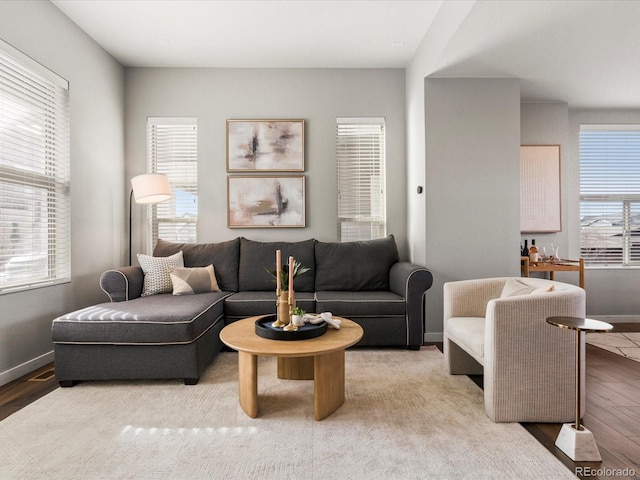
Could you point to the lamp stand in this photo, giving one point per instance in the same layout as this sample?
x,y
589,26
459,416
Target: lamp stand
x,y
130,227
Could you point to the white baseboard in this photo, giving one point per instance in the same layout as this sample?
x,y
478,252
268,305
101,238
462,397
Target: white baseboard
x,y
25,368
617,318
431,337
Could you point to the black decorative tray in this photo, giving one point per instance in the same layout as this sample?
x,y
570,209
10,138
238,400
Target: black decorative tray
x,y
307,331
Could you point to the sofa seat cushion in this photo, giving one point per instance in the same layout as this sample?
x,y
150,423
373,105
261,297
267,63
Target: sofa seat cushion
x,y
468,334
162,319
249,304
358,304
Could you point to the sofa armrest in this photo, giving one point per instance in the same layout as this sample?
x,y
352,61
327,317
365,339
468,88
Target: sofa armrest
x,y
411,282
123,283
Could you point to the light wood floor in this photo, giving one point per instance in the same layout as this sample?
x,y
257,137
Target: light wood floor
x,y
613,411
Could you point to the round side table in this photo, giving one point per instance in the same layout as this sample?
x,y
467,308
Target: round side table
x,y
574,439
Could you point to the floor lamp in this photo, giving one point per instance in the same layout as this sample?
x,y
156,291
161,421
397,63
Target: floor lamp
x,y
148,188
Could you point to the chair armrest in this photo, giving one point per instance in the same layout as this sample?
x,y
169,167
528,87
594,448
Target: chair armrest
x,y
411,282
469,298
123,283
525,357
518,323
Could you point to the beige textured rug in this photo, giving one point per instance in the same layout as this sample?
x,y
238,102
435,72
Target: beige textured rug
x,y
404,418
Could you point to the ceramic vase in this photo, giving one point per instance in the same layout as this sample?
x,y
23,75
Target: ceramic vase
x,y
283,308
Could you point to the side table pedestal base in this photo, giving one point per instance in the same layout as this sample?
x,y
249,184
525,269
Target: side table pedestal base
x,y
579,446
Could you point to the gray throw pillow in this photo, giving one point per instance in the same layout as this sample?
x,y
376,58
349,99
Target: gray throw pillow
x,y
355,266
222,255
156,272
258,257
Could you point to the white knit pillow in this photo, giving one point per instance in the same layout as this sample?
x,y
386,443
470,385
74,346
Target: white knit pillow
x,y
546,289
515,287
157,278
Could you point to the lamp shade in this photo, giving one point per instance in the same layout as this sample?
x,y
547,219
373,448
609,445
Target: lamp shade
x,y
151,188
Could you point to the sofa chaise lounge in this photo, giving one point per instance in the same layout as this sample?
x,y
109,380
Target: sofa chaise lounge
x,y
161,336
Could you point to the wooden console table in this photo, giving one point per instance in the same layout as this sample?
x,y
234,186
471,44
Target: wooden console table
x,y
562,266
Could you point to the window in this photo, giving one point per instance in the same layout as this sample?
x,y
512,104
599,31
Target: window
x,y
360,158
34,174
173,150
610,194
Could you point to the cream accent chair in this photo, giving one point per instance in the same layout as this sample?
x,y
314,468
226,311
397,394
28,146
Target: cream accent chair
x,y
528,364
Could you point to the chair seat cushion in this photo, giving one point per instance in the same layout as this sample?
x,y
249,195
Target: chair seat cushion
x,y
468,334
154,320
364,303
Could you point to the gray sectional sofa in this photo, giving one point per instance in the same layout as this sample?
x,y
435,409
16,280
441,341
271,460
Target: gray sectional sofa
x,y
176,336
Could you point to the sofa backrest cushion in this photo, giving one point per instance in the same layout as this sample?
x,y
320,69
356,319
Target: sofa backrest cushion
x,y
355,265
222,255
258,257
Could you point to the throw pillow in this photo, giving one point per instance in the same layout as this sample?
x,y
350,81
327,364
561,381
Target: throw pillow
x,y
156,272
549,288
515,287
224,255
187,281
355,266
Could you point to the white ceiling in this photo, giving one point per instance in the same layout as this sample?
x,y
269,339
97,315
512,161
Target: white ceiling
x,y
257,33
585,53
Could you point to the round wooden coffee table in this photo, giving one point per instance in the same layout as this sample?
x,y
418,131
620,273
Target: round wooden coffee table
x,y
320,359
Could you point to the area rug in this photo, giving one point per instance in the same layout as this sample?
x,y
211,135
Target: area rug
x,y
624,344
404,418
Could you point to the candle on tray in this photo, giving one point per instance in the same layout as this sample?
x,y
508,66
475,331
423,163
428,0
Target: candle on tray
x,y
278,270
290,279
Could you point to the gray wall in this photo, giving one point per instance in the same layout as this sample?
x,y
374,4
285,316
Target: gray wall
x,y
423,64
316,95
96,80
472,130
548,124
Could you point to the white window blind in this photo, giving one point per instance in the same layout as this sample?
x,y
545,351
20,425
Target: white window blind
x,y
34,174
173,150
610,194
360,158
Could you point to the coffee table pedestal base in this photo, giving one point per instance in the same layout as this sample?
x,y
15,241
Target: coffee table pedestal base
x,y
578,445
326,371
248,383
328,386
295,368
